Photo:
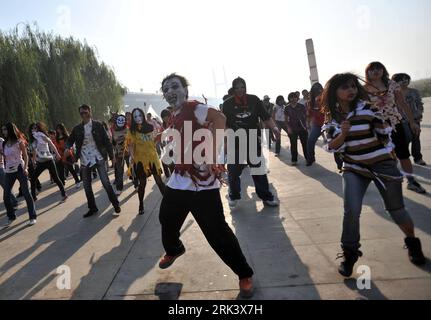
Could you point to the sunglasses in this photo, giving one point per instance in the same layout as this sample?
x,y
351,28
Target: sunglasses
x,y
82,113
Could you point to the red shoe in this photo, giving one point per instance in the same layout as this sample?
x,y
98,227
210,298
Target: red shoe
x,y
167,261
246,289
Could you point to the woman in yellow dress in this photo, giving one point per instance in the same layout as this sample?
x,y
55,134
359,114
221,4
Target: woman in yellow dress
x,y
143,154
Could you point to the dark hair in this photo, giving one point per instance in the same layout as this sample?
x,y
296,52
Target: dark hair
x,y
52,131
329,96
315,91
305,90
13,133
184,82
145,125
85,107
398,77
40,127
379,66
238,80
63,130
231,92
292,95
279,100
165,113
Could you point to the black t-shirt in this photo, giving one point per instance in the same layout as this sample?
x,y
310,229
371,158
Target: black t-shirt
x,y
245,117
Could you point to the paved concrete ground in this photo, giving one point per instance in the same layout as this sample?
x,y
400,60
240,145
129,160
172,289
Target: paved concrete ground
x,y
291,248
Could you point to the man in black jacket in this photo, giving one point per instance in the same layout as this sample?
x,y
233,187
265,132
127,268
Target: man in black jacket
x,y
243,112
92,148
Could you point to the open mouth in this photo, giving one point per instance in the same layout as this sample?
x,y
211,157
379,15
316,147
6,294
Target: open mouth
x,y
172,99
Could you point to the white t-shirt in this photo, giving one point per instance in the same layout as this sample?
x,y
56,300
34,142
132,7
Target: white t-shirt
x,y
89,153
41,147
279,113
179,182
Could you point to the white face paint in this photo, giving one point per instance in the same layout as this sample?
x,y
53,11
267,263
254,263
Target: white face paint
x,y
121,121
174,92
137,117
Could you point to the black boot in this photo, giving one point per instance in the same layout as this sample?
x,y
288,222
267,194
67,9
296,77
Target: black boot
x,y
349,259
416,255
141,210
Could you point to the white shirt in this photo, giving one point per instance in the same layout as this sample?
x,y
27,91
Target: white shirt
x,y
89,153
279,113
41,147
179,182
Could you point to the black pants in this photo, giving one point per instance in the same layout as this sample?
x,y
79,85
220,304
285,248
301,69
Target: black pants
x,y
61,166
41,167
303,136
119,173
207,209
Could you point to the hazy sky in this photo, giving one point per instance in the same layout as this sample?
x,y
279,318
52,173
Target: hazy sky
x,y
261,41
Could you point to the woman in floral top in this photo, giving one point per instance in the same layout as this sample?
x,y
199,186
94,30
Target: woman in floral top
x,y
387,96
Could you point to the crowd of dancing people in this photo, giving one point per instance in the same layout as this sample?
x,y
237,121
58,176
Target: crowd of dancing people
x,y
368,123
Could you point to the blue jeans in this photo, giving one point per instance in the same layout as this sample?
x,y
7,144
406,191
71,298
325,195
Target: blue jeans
x,y
354,188
315,133
9,181
103,174
2,179
260,182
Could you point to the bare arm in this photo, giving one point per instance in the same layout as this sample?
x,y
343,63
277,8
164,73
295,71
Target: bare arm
x,y
24,156
52,146
271,125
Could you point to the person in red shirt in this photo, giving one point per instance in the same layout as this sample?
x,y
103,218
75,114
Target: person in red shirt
x,y
67,158
316,119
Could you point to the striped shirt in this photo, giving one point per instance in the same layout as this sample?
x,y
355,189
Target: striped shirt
x,y
367,143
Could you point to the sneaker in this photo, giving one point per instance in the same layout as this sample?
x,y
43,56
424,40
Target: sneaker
x,y
167,261
118,192
416,187
416,255
271,203
90,213
78,185
350,258
32,222
421,162
294,163
246,289
63,200
117,210
233,203
277,155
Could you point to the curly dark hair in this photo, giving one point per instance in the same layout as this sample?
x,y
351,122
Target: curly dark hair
x,y
329,96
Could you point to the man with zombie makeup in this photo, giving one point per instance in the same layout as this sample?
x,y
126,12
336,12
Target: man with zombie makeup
x,y
195,187
92,148
119,132
243,112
